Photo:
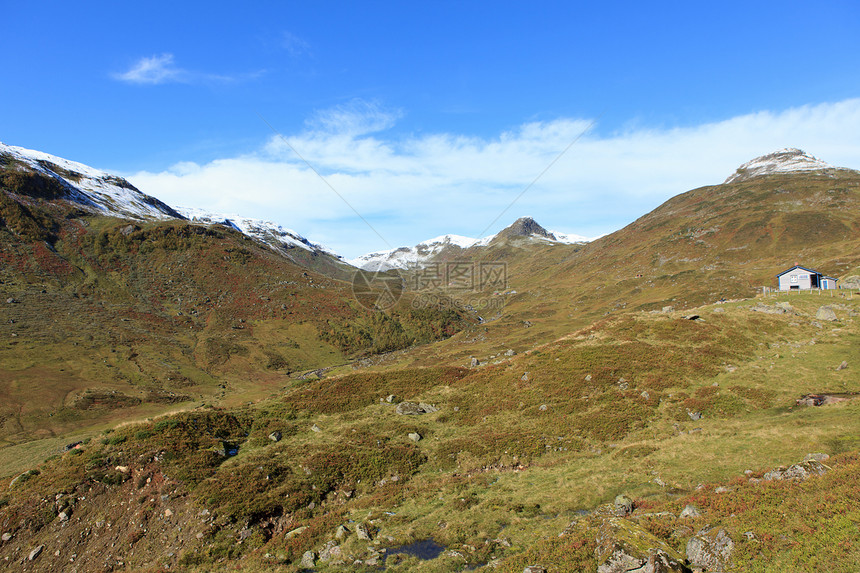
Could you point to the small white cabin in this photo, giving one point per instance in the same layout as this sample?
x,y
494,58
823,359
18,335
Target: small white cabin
x,y
802,278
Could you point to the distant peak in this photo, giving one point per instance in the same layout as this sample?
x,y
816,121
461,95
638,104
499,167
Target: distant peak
x,y
526,227
788,160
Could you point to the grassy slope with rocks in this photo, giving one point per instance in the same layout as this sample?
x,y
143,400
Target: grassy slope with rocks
x,y
603,396
503,467
103,319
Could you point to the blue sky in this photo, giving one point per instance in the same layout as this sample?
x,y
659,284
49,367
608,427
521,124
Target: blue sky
x,y
429,117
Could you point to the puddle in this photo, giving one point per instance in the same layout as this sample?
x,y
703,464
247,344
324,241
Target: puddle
x,y
425,549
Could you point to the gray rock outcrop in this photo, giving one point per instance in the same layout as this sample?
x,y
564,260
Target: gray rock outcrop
x,y
711,549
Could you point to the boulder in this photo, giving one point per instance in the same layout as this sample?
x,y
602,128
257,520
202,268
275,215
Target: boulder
x,y
409,409
711,549
623,505
797,472
826,313
818,457
524,377
341,533
535,569
843,365
474,362
308,560
690,511
626,547
332,553
415,436
276,436
36,552
363,533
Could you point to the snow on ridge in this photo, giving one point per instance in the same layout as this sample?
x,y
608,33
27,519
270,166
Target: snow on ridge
x,y
787,160
268,232
403,258
92,188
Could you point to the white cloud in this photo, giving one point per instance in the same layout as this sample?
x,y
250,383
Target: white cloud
x,y
161,69
420,187
153,70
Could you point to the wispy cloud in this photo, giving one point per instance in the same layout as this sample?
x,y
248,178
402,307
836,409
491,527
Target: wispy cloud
x,y
152,70
162,69
420,187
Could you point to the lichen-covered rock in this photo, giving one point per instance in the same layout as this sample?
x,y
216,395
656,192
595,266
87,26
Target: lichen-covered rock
x,y
623,505
711,549
308,560
797,472
690,511
626,547
826,313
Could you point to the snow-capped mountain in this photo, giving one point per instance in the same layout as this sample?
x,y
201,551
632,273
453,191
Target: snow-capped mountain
x,y
267,232
93,190
788,160
102,193
446,246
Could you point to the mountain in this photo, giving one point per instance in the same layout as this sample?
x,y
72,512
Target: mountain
x,y
447,247
98,192
157,409
90,189
115,305
788,160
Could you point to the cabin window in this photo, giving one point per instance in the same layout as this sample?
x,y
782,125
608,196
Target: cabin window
x,y
793,278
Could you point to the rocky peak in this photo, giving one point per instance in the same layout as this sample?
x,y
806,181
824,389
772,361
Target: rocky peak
x,y
526,227
788,160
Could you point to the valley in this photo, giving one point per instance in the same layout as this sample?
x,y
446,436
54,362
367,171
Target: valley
x,y
194,395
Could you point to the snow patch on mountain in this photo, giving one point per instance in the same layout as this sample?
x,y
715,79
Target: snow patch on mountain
x,y
788,160
94,190
267,232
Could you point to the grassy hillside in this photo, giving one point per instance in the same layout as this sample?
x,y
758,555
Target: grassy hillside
x,y
104,319
713,243
515,454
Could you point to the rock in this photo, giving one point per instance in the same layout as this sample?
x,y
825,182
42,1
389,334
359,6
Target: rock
x,y
826,313
276,436
524,377
695,416
391,398
474,362
842,366
690,511
722,489
588,377
63,516
797,472
718,310
316,428
415,436
11,300
623,505
363,532
711,549
818,457
510,352
36,552
428,408
341,533
534,569
626,547
295,532
308,560
543,408
668,309
331,553
408,409
122,469
6,536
